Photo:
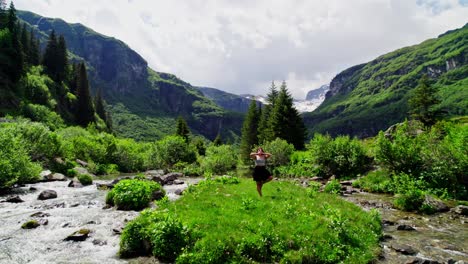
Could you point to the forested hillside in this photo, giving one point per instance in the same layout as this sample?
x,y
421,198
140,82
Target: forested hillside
x,y
372,96
143,103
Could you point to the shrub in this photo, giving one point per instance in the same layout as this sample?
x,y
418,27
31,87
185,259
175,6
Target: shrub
x,y
130,155
15,164
280,151
219,159
410,194
301,165
342,156
43,114
225,179
71,173
132,194
165,235
375,181
169,151
333,187
85,179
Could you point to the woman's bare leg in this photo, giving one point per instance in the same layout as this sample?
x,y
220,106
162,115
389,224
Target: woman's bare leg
x,y
268,180
259,188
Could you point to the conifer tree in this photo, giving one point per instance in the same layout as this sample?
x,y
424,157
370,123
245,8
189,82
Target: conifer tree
x,y
50,59
182,129
12,18
265,132
285,121
34,53
109,121
84,111
25,42
99,105
218,140
3,14
17,51
249,136
62,60
422,102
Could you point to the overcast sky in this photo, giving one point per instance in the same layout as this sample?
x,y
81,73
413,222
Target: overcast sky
x,y
240,46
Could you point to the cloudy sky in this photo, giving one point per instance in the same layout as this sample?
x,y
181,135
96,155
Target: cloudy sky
x,y
240,46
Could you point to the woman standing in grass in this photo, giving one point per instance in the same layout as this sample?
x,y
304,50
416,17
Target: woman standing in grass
x,y
261,175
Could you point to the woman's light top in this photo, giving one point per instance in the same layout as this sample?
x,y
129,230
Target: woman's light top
x,y
260,162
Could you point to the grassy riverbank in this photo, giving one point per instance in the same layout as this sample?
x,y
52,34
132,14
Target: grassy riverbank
x,y
221,223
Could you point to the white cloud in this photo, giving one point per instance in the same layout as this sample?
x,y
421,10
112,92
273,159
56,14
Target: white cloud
x,y
240,46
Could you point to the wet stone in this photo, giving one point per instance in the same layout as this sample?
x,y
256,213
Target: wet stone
x,y
388,222
14,199
179,191
461,210
31,224
99,242
40,214
157,195
80,235
404,249
422,261
47,194
406,228
32,188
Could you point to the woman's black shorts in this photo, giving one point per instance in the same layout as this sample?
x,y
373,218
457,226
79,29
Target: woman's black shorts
x,y
261,173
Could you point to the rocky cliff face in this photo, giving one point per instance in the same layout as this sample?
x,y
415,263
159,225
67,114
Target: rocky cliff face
x,y
125,79
372,96
228,101
317,94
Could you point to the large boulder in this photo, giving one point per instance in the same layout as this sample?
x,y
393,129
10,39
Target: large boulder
x,y
47,194
436,205
45,174
167,179
461,210
14,199
404,249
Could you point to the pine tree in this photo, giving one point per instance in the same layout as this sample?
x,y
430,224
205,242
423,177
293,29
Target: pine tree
x,y
34,53
285,121
84,111
17,52
50,59
99,105
249,136
62,60
25,42
3,14
218,140
422,102
12,18
265,132
182,128
109,122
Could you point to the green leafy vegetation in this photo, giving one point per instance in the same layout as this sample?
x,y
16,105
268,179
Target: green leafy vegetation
x,y
371,97
284,226
85,179
132,194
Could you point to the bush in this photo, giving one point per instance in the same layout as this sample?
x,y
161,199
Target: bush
x,y
15,164
130,155
410,194
71,173
169,151
219,159
280,151
376,182
132,194
342,156
43,114
166,236
333,187
301,165
85,179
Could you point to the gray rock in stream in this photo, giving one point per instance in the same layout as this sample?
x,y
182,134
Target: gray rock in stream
x,y
418,260
167,179
80,235
436,205
461,210
14,199
404,249
47,194
405,228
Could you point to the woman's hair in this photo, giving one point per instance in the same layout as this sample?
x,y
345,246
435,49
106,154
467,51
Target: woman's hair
x,y
260,148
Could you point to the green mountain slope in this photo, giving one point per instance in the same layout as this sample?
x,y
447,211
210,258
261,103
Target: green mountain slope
x,y
228,101
143,103
372,96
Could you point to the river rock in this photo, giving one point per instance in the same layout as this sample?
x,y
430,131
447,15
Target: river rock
x,y
404,249
55,177
405,228
418,260
386,222
99,242
460,209
40,214
178,182
167,179
80,235
452,261
179,191
437,205
14,199
157,195
346,183
45,174
43,221
153,173
32,188
47,194
82,163
81,170
31,224
316,178
109,185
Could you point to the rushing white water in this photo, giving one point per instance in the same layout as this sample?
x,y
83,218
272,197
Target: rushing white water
x,y
72,210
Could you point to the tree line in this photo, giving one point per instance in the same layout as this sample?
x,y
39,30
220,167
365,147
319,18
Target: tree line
x,y
50,78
